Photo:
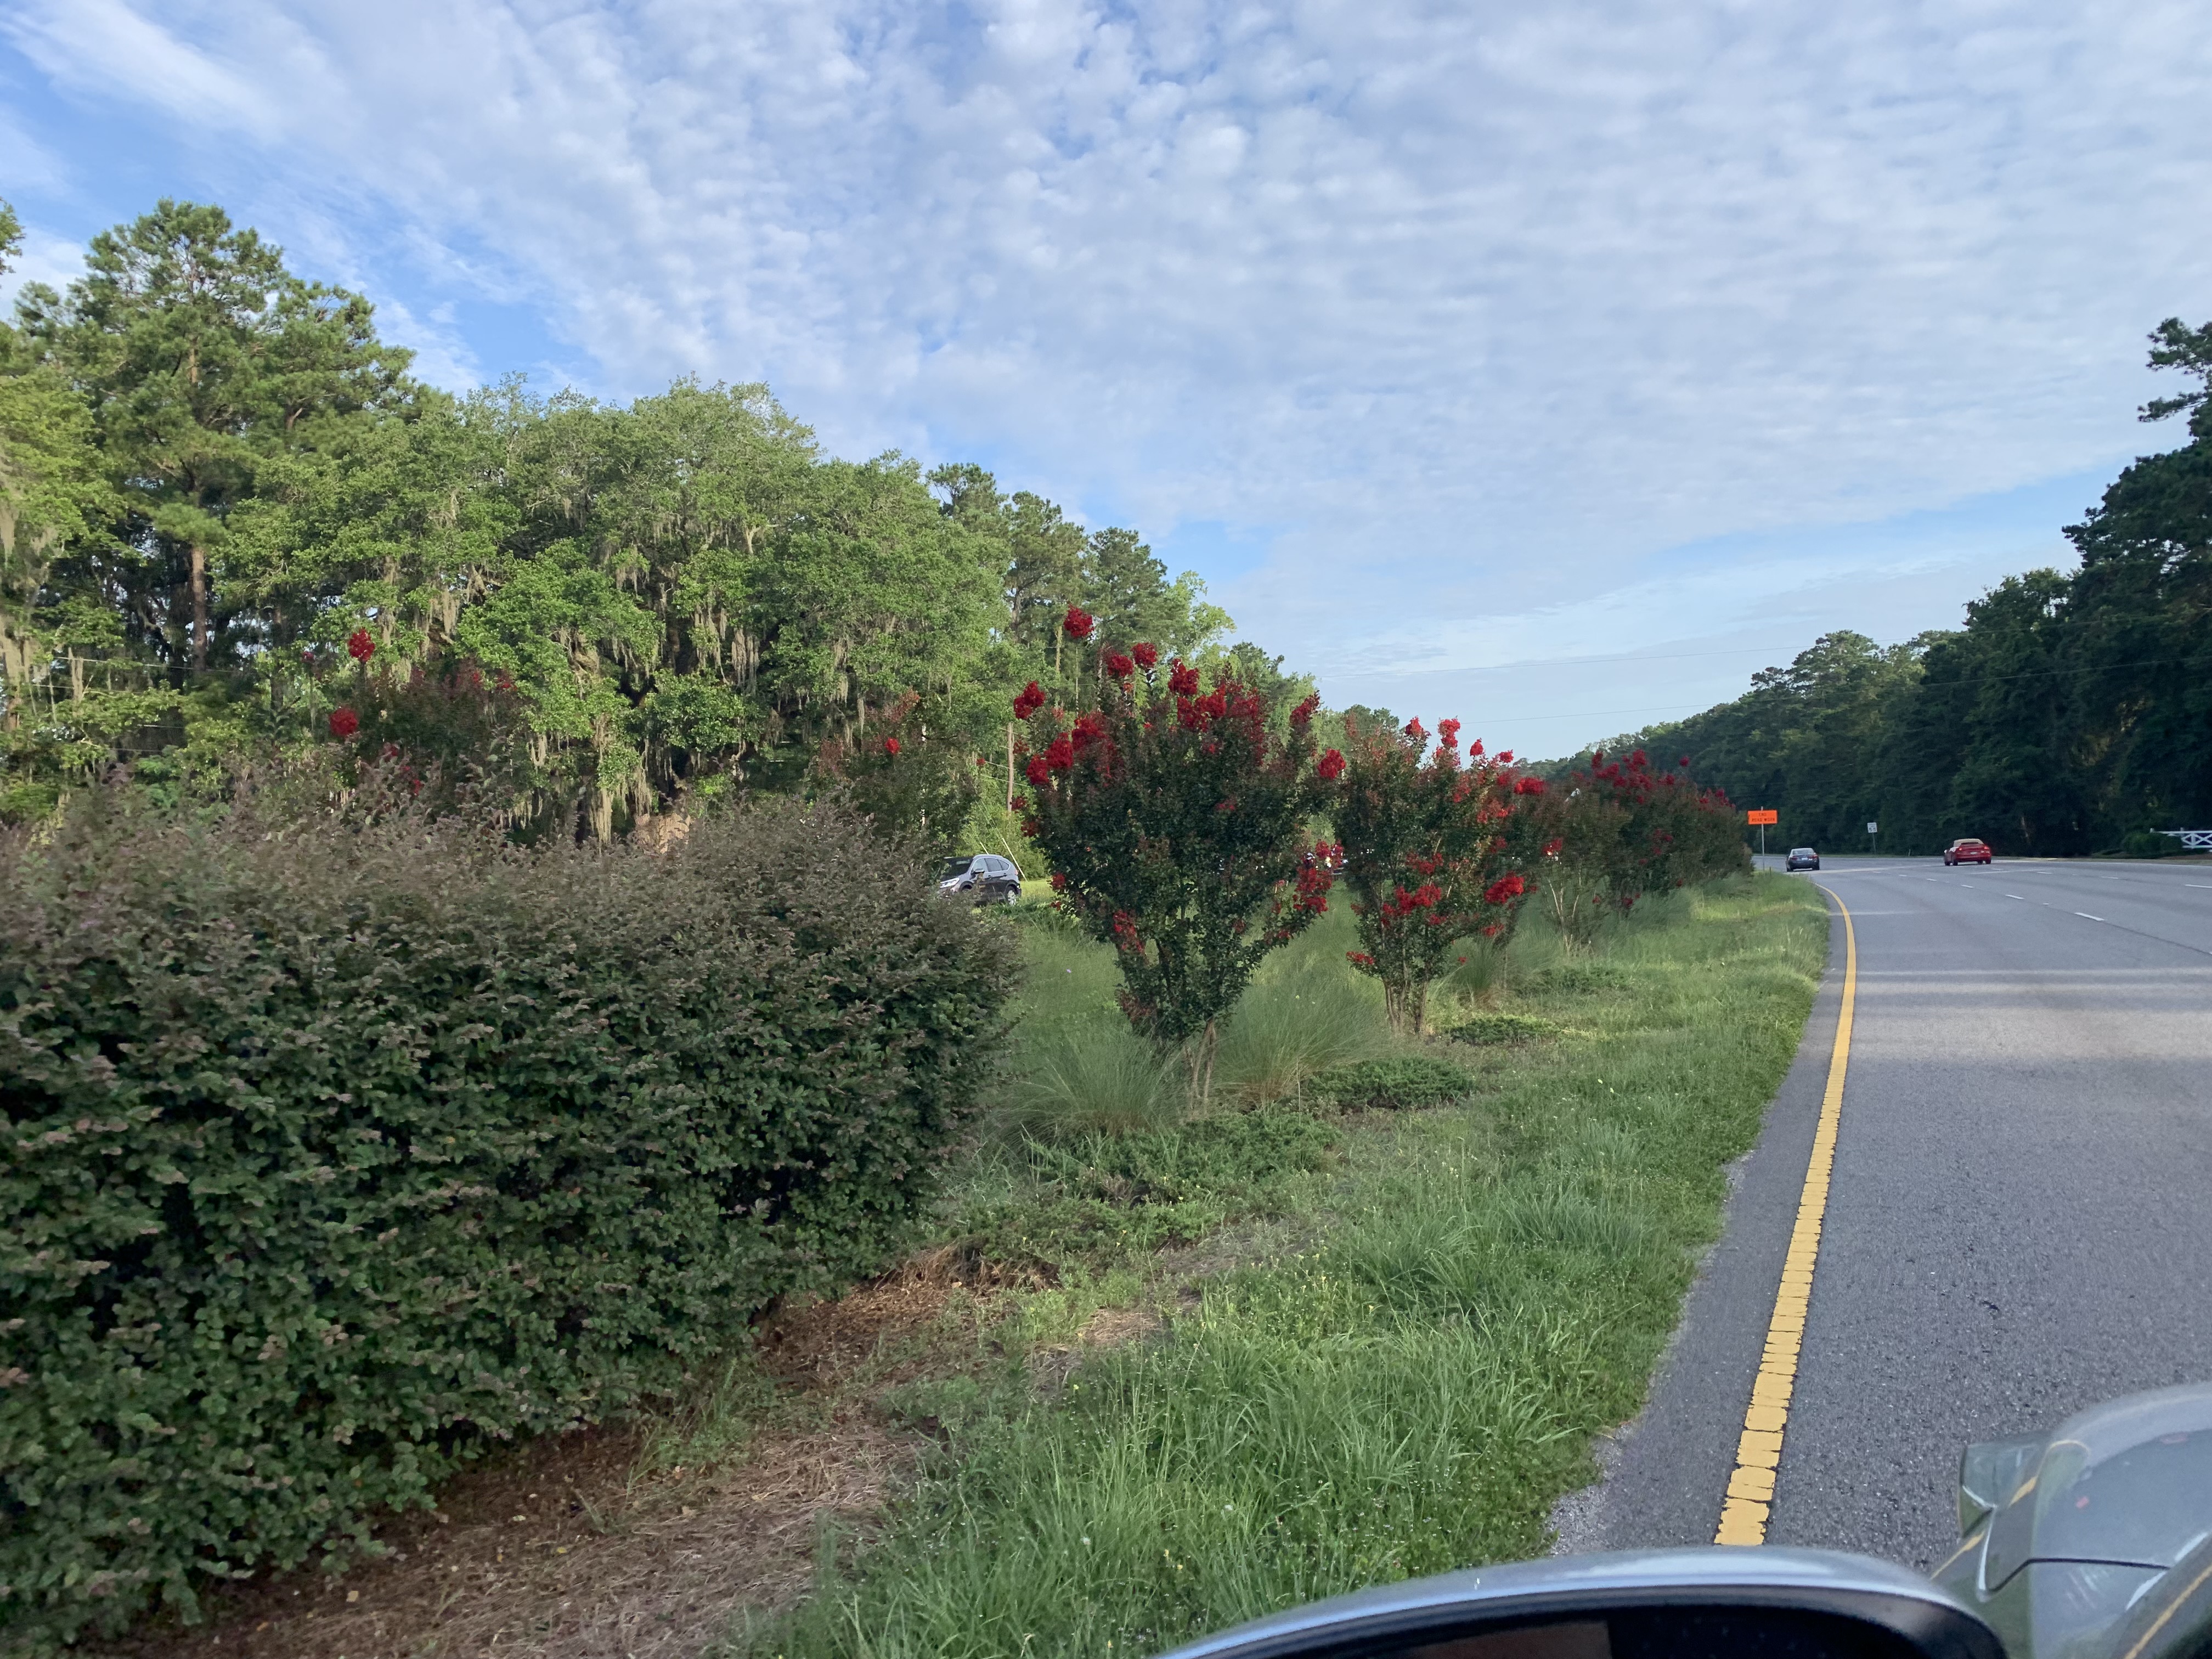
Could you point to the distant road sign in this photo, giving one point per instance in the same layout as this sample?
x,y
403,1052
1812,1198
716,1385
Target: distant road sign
x,y
1762,815
1873,829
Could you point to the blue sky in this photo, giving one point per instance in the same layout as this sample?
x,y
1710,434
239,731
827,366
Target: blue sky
x,y
1556,367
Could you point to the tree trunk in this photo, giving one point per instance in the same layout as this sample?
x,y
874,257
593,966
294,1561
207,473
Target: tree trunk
x,y
199,610
1201,1059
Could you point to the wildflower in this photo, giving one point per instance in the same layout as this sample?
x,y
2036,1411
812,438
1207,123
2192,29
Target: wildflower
x,y
343,723
1330,767
1078,622
360,646
1028,701
1146,655
890,745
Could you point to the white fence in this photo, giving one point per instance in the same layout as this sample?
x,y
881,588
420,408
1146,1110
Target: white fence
x,y
2196,840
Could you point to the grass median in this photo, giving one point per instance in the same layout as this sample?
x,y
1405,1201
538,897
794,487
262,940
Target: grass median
x,y
1403,1327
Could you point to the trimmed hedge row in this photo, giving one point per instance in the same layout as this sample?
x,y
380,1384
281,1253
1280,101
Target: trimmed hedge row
x,y
333,1152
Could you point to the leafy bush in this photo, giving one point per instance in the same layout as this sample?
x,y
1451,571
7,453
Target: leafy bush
x,y
1403,1081
335,1151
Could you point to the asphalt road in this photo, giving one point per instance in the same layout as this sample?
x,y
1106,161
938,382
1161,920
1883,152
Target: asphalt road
x,y
2020,1218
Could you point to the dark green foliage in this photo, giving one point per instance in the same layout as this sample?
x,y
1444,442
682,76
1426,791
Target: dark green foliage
x,y
1485,1028
1402,1082
2071,711
1100,1199
335,1151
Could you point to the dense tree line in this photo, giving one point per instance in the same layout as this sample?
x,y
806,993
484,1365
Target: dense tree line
x,y
215,477
2071,714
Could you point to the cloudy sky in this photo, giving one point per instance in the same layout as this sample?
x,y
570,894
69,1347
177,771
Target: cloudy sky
x,y
1553,365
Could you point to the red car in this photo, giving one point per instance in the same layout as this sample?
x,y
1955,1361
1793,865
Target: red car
x,y
1969,851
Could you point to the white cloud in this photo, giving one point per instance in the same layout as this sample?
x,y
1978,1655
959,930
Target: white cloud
x,y
1491,306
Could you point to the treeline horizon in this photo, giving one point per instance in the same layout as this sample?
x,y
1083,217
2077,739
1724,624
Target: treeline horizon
x,y
232,524
2071,714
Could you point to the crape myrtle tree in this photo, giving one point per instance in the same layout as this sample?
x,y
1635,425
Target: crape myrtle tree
x,y
1428,852
1176,825
1617,830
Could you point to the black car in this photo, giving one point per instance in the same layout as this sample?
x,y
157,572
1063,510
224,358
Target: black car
x,y
1801,858
984,877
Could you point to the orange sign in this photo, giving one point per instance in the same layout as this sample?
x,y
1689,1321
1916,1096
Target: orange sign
x,y
1762,815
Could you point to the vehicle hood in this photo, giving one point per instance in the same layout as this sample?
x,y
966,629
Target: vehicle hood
x,y
2129,1482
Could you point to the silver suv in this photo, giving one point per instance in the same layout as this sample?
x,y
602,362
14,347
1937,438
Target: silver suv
x,y
984,877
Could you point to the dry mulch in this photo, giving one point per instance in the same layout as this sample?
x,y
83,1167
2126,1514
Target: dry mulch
x,y
563,1550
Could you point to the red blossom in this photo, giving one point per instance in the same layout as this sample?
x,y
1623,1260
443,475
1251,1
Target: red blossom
x,y
1359,958
1510,886
1078,622
1506,758
890,745
1059,881
1059,753
1183,680
1330,767
1028,701
1146,655
360,646
345,723
1119,666
1528,786
1305,711
1448,734
1037,772
1414,731
1552,847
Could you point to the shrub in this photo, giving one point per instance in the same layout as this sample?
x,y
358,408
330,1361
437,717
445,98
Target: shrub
x,y
1402,1081
1485,1028
1426,851
1175,824
335,1151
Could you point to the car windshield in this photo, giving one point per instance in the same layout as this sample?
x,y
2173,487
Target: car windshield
x,y
955,867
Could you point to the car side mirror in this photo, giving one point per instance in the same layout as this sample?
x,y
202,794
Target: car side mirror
x,y
1712,1603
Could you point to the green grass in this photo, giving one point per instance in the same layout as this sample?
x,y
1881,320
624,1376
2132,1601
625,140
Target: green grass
x,y
1482,1287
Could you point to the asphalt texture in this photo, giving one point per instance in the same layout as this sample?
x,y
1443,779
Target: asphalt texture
x,y
2020,1220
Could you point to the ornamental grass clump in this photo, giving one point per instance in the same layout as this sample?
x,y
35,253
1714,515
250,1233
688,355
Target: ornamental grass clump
x,y
335,1151
1175,823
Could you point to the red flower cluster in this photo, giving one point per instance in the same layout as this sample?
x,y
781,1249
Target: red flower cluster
x,y
343,723
1504,889
1183,679
1059,754
1448,734
1330,767
359,646
1528,786
1305,711
1119,666
890,745
1028,701
1036,771
1078,622
1413,730
1147,656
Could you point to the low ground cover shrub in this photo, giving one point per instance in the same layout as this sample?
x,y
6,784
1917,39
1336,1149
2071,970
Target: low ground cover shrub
x,y
1400,1081
334,1149
1489,1027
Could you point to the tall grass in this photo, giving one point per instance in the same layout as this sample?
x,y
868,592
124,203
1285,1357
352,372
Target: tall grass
x,y
1492,1287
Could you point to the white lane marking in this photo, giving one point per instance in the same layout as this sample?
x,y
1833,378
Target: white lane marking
x,y
2022,898
2086,916
2207,885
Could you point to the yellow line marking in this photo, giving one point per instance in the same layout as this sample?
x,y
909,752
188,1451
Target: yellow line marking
x,y
1758,1452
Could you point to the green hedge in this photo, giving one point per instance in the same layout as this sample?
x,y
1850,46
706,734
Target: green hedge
x,y
335,1153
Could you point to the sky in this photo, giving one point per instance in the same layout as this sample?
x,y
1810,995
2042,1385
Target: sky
x,y
1552,366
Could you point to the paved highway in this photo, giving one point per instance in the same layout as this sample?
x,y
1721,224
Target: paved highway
x,y
2019,1221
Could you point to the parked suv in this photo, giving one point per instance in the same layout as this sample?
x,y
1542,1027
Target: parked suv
x,y
1968,851
1801,858
984,877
